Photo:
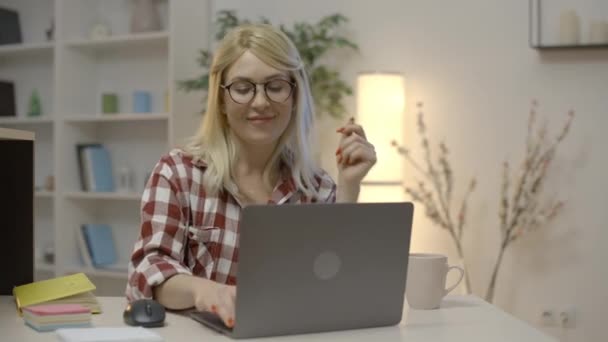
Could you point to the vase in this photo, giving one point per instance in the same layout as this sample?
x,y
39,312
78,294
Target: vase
x,y
109,103
34,108
145,16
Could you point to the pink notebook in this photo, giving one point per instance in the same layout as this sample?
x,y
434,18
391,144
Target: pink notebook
x,y
57,309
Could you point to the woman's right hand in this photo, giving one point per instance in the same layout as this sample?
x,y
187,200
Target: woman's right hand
x,y
215,297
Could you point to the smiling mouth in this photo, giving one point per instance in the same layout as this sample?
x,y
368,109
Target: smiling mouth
x,y
260,118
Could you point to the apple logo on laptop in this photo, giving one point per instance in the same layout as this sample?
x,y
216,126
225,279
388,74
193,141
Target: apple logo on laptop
x,y
327,265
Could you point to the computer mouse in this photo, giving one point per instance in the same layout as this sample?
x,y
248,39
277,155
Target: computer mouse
x,y
145,313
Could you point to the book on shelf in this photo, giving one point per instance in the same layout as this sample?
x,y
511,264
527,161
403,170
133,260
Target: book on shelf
x,y
70,289
99,242
82,168
95,168
85,255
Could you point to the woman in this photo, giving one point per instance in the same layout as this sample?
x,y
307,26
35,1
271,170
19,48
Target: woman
x,y
252,148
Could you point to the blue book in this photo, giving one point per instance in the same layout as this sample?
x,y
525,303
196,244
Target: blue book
x,y
100,244
84,165
102,179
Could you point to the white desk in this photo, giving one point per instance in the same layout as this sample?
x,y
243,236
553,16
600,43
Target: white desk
x,y
467,319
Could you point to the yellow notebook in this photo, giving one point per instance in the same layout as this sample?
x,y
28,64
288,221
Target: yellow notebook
x,y
72,289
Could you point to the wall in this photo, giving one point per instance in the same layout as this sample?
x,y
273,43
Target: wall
x,y
470,63
190,25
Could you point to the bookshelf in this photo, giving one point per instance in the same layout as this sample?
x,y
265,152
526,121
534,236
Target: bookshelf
x,y
43,194
14,121
70,72
121,41
111,196
26,48
117,117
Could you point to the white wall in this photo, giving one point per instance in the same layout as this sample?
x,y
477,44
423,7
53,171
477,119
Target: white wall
x,y
190,22
469,62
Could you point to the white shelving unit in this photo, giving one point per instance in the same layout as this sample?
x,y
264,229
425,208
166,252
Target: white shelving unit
x,y
70,73
10,121
117,117
111,196
141,39
26,48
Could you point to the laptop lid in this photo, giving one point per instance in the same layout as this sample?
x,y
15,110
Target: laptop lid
x,y
321,267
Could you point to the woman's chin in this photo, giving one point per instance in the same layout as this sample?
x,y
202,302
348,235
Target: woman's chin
x,y
261,139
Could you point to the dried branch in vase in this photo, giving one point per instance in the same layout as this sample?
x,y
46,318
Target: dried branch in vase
x,y
525,210
435,191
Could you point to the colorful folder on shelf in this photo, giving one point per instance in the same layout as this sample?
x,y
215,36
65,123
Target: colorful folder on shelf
x,y
70,289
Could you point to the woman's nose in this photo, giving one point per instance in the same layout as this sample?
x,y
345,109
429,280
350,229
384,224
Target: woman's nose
x,y
259,99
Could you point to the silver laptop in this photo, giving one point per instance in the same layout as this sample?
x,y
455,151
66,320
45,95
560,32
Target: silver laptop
x,y
308,268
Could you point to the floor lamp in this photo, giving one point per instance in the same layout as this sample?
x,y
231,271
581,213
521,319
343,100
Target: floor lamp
x,y
381,111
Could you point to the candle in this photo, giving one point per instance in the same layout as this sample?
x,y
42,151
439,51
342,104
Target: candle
x,y
569,27
598,32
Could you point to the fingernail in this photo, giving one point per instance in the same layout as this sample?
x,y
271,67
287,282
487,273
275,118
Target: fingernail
x,y
213,308
338,151
230,322
340,130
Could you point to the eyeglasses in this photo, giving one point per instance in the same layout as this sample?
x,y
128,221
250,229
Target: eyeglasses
x,y
276,90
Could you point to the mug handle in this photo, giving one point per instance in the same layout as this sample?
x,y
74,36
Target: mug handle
x,y
448,290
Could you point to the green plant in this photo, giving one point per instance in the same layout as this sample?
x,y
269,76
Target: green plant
x,y
313,41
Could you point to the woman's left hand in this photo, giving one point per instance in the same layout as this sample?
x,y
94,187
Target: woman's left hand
x,y
355,155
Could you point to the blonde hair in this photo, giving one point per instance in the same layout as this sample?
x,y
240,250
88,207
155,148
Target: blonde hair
x,y
213,143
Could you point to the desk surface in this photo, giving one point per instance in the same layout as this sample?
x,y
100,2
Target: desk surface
x,y
460,319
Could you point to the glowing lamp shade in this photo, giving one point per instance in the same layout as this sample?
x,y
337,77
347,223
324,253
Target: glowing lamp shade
x,y
381,111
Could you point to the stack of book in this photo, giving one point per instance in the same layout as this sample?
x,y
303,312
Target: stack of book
x,y
50,317
70,289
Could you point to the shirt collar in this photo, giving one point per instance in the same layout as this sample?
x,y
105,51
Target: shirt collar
x,y
283,190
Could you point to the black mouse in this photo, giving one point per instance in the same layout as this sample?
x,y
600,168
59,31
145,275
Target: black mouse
x,y
145,313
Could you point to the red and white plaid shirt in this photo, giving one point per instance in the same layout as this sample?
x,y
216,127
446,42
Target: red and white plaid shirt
x,y
186,231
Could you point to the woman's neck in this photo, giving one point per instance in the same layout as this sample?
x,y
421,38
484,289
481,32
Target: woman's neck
x,y
253,161
254,177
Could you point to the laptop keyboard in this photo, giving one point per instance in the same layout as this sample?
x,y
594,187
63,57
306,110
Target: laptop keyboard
x,y
210,320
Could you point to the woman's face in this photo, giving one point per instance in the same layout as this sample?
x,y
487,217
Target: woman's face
x,y
258,100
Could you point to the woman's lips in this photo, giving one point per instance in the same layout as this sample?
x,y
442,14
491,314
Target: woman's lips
x,y
260,119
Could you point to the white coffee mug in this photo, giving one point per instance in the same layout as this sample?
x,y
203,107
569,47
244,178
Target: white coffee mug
x,y
426,274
